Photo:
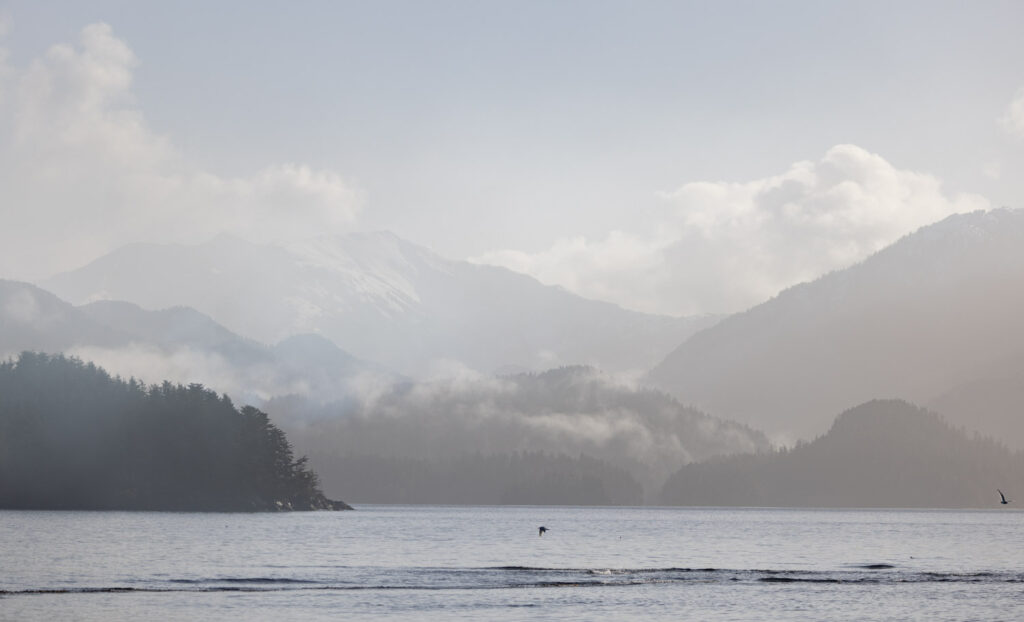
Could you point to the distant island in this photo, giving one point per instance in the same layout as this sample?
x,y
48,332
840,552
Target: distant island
x,y
884,453
74,438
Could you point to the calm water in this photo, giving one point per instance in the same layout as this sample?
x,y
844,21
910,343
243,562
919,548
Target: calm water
x,y
488,563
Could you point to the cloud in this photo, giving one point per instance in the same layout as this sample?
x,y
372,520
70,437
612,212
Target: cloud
x,y
81,171
21,308
1013,119
571,411
723,247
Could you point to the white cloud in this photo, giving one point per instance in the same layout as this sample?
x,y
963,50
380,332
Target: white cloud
x,y
1013,119
81,171
726,246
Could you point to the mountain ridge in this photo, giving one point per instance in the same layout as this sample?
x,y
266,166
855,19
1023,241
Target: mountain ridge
x,y
932,311
181,344
883,453
383,299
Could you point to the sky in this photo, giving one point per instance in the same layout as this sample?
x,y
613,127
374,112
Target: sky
x,y
670,157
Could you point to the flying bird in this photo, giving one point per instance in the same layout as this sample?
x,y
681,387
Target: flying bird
x,y
542,529
1002,496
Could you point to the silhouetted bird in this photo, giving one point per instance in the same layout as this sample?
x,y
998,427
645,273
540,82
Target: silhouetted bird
x,y
540,531
1002,496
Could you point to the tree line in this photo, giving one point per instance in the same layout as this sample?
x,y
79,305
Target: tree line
x,y
884,453
73,437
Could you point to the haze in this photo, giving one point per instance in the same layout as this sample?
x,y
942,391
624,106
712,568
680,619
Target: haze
x,y
604,147
611,237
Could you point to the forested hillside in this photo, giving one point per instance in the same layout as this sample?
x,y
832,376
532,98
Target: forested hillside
x,y
885,453
73,437
934,318
568,412
521,478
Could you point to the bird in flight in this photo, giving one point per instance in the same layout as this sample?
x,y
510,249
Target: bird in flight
x,y
1001,496
542,529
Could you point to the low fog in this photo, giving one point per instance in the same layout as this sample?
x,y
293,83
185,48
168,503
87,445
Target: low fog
x,y
540,265
570,411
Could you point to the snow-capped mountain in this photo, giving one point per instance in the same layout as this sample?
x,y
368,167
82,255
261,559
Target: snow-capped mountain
x,y
382,299
940,310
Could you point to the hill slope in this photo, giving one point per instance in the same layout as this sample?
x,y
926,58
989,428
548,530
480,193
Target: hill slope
x,y
569,412
940,308
880,454
34,319
179,344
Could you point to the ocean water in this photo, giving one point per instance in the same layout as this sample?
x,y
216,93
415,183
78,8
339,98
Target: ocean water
x,y
488,563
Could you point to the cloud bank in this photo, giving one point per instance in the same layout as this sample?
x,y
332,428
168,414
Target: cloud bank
x,y
81,172
723,247
569,411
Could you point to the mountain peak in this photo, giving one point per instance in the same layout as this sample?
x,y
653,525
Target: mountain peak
x,y
383,299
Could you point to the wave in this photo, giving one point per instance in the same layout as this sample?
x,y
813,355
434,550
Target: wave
x,y
258,580
527,577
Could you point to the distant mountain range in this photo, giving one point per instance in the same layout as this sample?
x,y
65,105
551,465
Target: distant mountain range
x,y
382,299
34,319
182,345
935,318
884,453
573,434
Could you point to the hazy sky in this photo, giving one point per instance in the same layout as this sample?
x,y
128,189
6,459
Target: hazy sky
x,y
668,156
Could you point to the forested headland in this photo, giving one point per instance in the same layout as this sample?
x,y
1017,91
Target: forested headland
x,y
73,437
884,453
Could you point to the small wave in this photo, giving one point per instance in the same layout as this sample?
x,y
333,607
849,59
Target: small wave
x,y
523,577
253,580
594,570
81,590
774,579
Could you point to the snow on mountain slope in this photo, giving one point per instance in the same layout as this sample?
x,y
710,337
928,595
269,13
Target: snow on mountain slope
x,y
382,299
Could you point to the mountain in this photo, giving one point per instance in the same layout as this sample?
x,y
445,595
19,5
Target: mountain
x,y
941,308
572,411
34,319
881,454
992,401
382,299
180,344
177,327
